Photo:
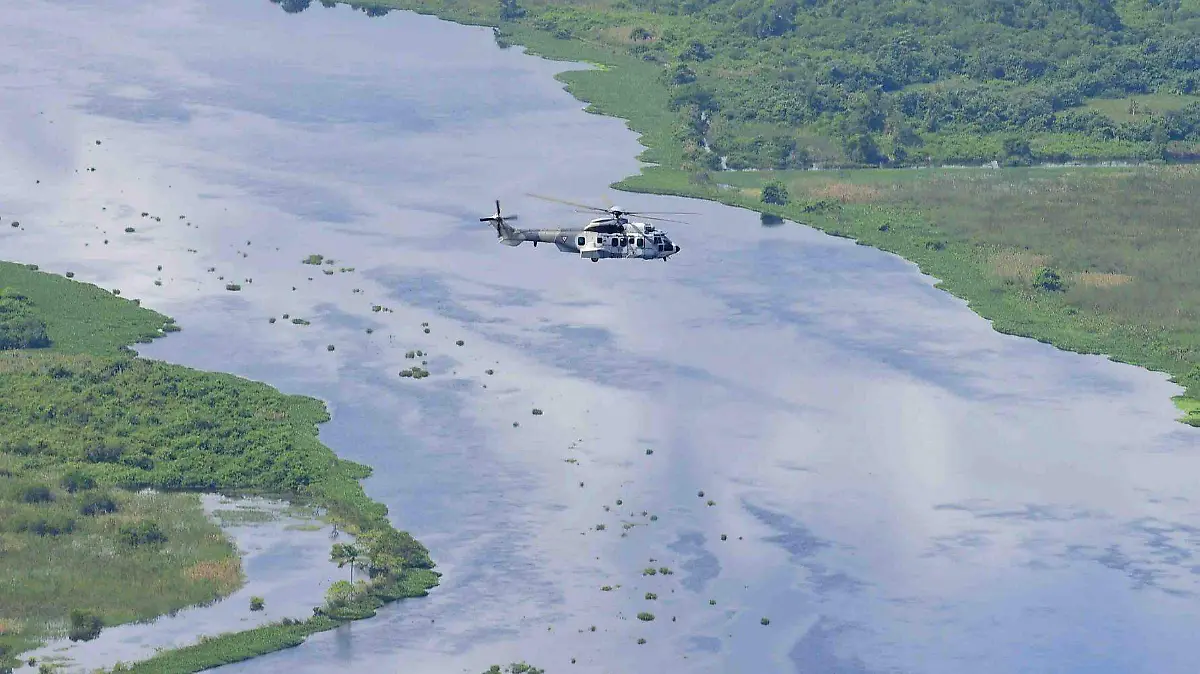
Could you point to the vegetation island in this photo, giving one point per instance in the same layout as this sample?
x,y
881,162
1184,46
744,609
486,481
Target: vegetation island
x,y
737,101
103,455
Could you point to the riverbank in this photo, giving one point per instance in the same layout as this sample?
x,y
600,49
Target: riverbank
x,y
1135,301
88,427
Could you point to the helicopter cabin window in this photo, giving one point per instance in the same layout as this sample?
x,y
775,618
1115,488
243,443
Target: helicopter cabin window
x,y
641,243
615,242
580,241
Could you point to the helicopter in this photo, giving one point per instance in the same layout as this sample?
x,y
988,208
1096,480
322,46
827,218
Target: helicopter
x,y
613,235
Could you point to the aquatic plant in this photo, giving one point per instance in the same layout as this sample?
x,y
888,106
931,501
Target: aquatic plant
x,y
257,603
765,621
313,259
645,617
459,342
641,641
537,412
232,286
329,347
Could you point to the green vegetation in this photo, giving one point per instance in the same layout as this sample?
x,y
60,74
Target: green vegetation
x,y
514,668
783,84
645,617
85,427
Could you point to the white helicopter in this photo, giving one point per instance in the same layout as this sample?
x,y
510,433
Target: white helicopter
x,y
612,236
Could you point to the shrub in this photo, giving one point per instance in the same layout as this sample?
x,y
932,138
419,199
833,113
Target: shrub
x,y
104,453
645,617
232,287
257,603
141,533
51,524
765,621
1049,280
459,342
77,480
98,504
85,625
329,347
775,193
37,493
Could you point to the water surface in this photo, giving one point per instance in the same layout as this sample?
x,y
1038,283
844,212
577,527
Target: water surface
x,y
901,488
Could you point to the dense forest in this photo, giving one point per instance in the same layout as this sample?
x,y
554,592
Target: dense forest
x,y
775,84
783,83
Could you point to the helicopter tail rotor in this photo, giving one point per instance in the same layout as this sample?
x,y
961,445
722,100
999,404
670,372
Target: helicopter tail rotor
x,y
500,221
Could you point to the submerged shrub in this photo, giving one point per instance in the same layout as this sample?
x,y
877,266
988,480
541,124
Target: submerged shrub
x,y
256,603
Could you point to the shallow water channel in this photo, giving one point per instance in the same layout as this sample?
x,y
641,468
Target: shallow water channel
x,y
900,489
285,559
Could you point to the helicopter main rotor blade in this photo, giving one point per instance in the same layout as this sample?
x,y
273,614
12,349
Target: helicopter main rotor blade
x,y
644,217
569,203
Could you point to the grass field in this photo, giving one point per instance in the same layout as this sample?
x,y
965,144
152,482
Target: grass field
x,y
1139,106
85,427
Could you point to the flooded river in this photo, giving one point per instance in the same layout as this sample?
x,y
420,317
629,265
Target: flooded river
x,y
894,486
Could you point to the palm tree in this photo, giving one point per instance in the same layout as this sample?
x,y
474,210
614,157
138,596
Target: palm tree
x,y
345,553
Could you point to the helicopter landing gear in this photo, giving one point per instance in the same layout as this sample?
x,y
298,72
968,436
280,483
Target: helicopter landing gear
x,y
595,259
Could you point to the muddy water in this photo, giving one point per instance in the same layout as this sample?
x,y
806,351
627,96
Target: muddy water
x,y
285,559
901,489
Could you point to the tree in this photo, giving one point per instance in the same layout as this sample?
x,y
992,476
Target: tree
x,y
510,11
1048,279
775,193
860,148
1016,151
345,553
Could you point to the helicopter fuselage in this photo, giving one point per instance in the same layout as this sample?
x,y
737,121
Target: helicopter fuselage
x,y
600,239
